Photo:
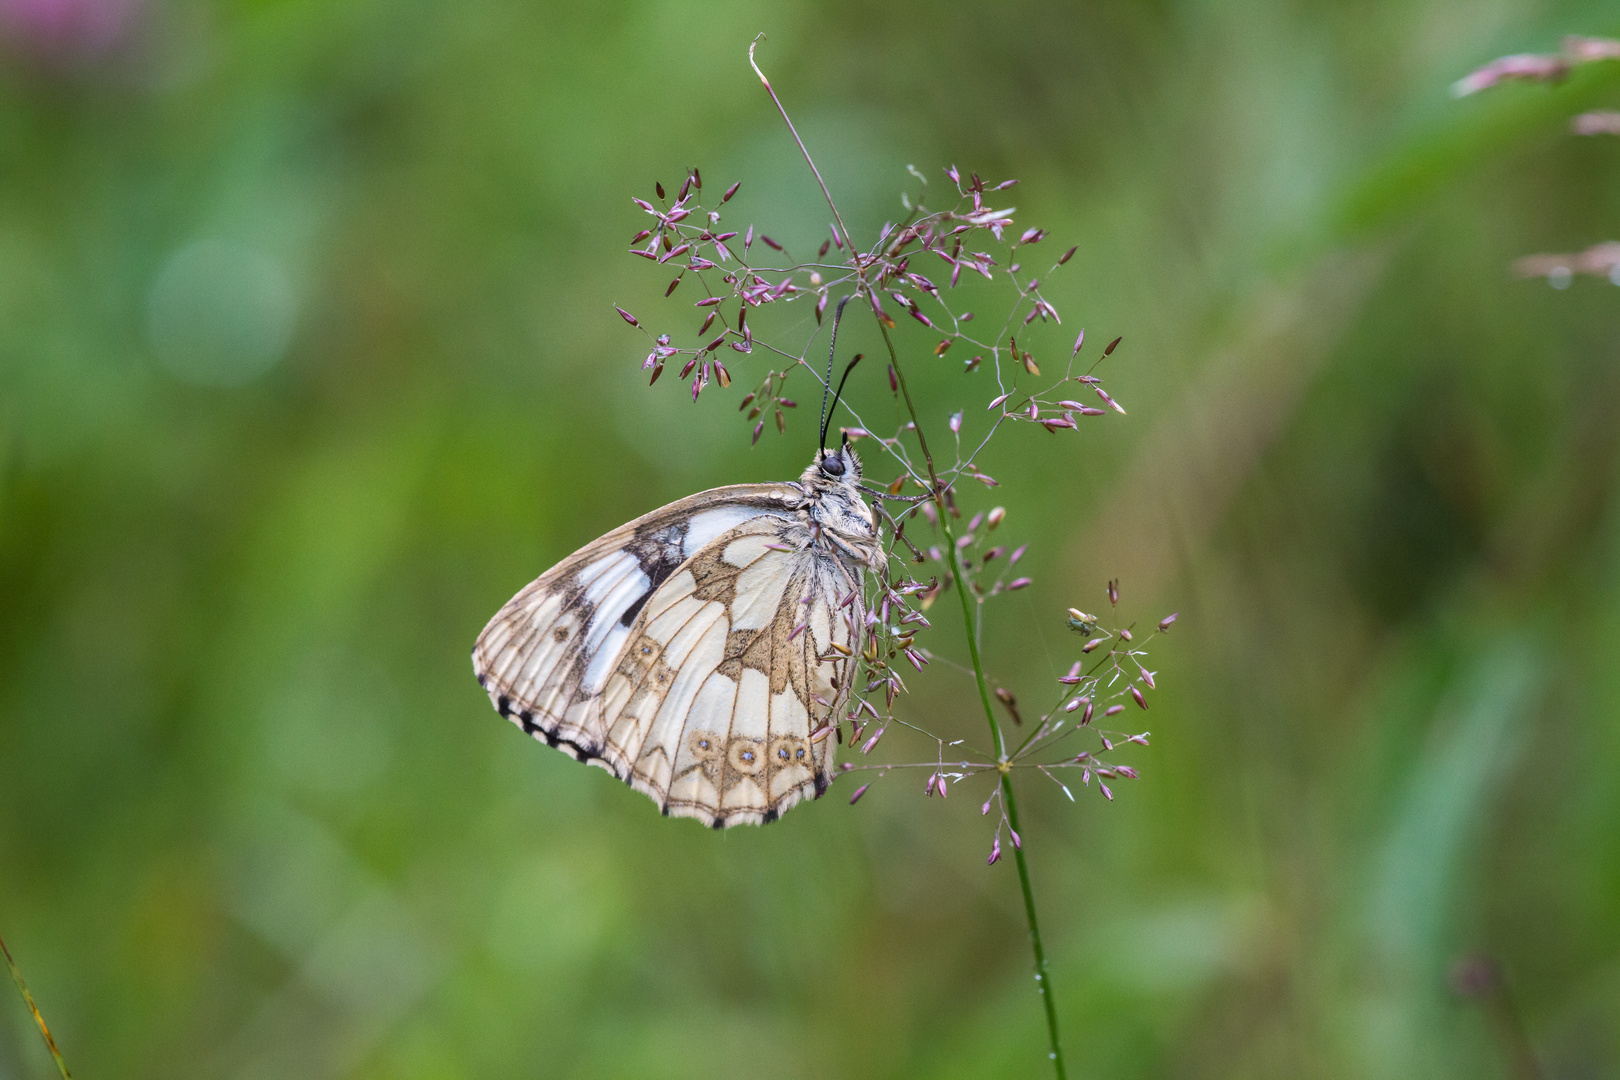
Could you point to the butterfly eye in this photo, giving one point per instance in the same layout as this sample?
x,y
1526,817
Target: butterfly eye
x,y
833,465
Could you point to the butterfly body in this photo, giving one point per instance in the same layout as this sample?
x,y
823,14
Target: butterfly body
x,y
695,651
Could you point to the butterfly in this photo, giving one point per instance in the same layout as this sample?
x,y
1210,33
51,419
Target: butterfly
x,y
702,652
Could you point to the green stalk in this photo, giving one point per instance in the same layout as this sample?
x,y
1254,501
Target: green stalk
x,y
28,999
970,615
1043,977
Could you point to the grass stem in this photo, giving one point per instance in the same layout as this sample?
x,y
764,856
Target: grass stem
x,y
28,999
970,621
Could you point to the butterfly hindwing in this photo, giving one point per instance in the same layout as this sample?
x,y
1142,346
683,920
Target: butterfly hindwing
x,y
728,675
671,653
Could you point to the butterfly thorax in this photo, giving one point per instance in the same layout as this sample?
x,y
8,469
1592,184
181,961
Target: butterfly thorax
x,y
838,517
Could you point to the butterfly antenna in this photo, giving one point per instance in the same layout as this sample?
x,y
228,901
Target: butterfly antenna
x,y
838,317
827,421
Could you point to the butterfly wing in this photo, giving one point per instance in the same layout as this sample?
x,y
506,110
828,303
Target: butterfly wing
x,y
670,652
551,647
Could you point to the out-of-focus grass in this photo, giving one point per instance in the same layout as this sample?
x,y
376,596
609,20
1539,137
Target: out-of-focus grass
x,y
307,363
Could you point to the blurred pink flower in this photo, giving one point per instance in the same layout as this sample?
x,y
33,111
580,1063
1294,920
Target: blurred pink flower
x,y
67,30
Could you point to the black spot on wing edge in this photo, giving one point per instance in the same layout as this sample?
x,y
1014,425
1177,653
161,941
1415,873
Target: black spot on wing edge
x,y
531,727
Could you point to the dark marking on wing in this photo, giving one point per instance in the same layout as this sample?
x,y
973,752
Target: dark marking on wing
x,y
659,552
535,728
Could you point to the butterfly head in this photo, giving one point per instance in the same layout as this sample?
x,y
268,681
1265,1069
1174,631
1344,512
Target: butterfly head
x,y
840,467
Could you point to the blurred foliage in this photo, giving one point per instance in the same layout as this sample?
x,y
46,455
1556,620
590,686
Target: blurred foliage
x,y
307,363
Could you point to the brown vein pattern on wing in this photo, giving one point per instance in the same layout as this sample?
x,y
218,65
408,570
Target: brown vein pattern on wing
x,y
746,797
787,655
634,697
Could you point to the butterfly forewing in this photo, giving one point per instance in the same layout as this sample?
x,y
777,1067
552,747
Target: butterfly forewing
x,y
689,653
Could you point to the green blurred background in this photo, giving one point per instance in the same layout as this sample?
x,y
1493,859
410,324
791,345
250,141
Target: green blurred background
x,y
307,363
